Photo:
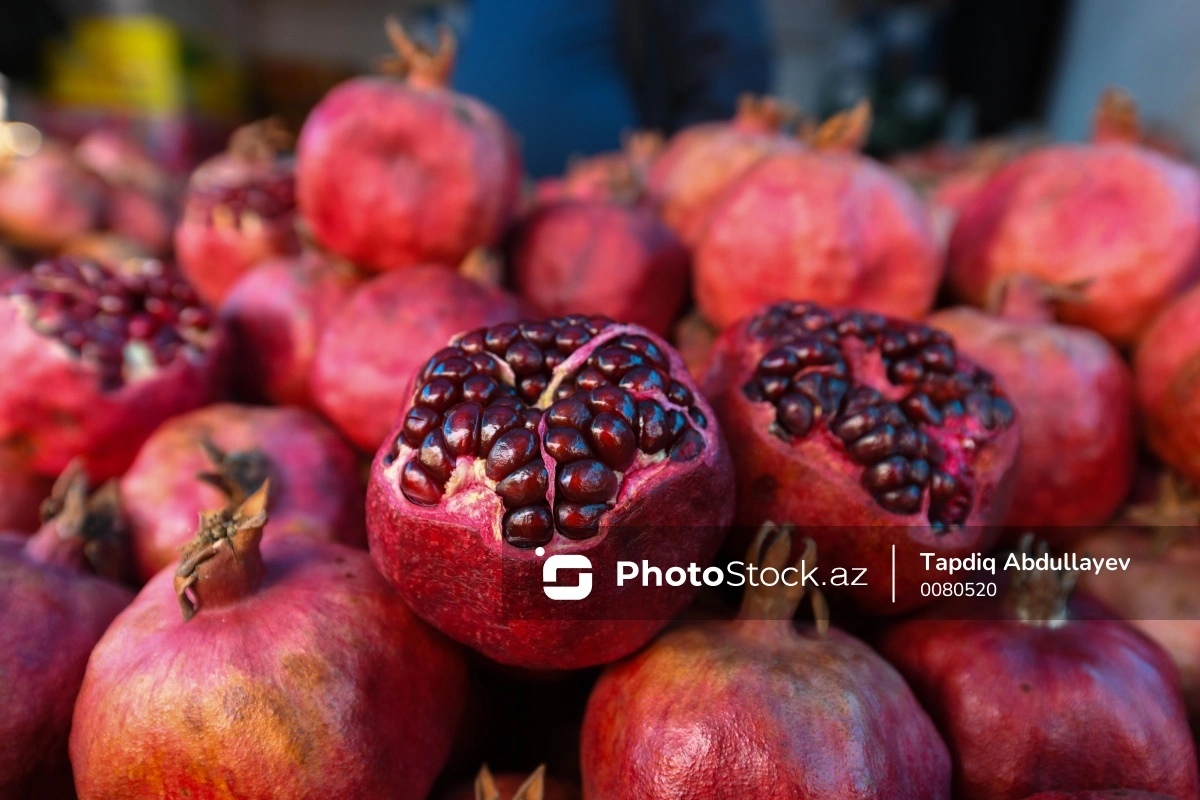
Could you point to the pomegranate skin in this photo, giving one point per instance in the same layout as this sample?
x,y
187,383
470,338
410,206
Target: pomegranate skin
x,y
1011,697
276,315
141,200
1173,426
470,560
619,261
21,494
316,491
618,176
317,683
57,403
47,198
383,334
814,480
1075,395
394,173
1168,343
1114,794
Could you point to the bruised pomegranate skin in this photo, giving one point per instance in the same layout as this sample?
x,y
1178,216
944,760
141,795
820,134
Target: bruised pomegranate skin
x,y
47,198
398,172
1075,394
382,335
866,433
598,257
315,488
238,211
1012,688
93,360
276,315
1121,216
572,436
701,162
759,707
284,668
826,225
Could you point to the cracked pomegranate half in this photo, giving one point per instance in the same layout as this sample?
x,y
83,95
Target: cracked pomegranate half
x,y
866,432
574,435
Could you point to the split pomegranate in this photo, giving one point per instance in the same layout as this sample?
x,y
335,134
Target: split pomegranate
x,y
381,336
515,787
52,613
276,315
140,198
292,671
618,176
1075,394
1121,216
869,433
239,210
93,360
601,257
393,173
758,707
219,455
1012,684
575,437
699,163
46,197
21,494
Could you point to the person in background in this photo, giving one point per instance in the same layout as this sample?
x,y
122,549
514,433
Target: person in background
x,y
571,76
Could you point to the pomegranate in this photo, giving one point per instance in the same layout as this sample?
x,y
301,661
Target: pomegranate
x,y
52,613
1011,684
108,249
140,203
381,336
701,162
46,197
601,257
575,437
239,210
515,787
1075,394
758,707
21,494
1169,342
827,225
1121,216
618,176
292,671
1114,794
93,360
393,173
276,315
694,338
217,456
868,433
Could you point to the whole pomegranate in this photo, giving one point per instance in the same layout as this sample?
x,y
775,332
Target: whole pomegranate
x,y
701,162
46,197
239,210
219,455
381,336
293,671
601,257
825,224
575,437
758,707
618,176
1120,216
1168,343
276,315
1114,794
52,613
515,787
694,339
93,360
140,197
21,494
397,172
1075,394
870,434
1012,684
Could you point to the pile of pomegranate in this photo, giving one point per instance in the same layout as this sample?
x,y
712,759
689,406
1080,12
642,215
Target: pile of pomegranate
x,y
359,466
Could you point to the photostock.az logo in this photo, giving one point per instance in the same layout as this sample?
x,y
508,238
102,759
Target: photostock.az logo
x,y
566,561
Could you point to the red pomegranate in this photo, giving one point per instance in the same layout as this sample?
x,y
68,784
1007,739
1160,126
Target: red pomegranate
x,y
1120,216
618,176
694,339
239,210
52,613
219,455
276,315
515,787
868,433
577,439
1114,794
701,162
759,707
21,494
1075,395
381,336
46,196
1012,684
93,360
141,198
1169,342
393,173
827,225
601,257
293,671
1173,426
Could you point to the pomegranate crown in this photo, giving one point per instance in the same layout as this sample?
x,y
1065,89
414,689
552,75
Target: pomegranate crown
x,y
417,62
237,475
80,526
772,549
262,141
1039,596
843,132
532,789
